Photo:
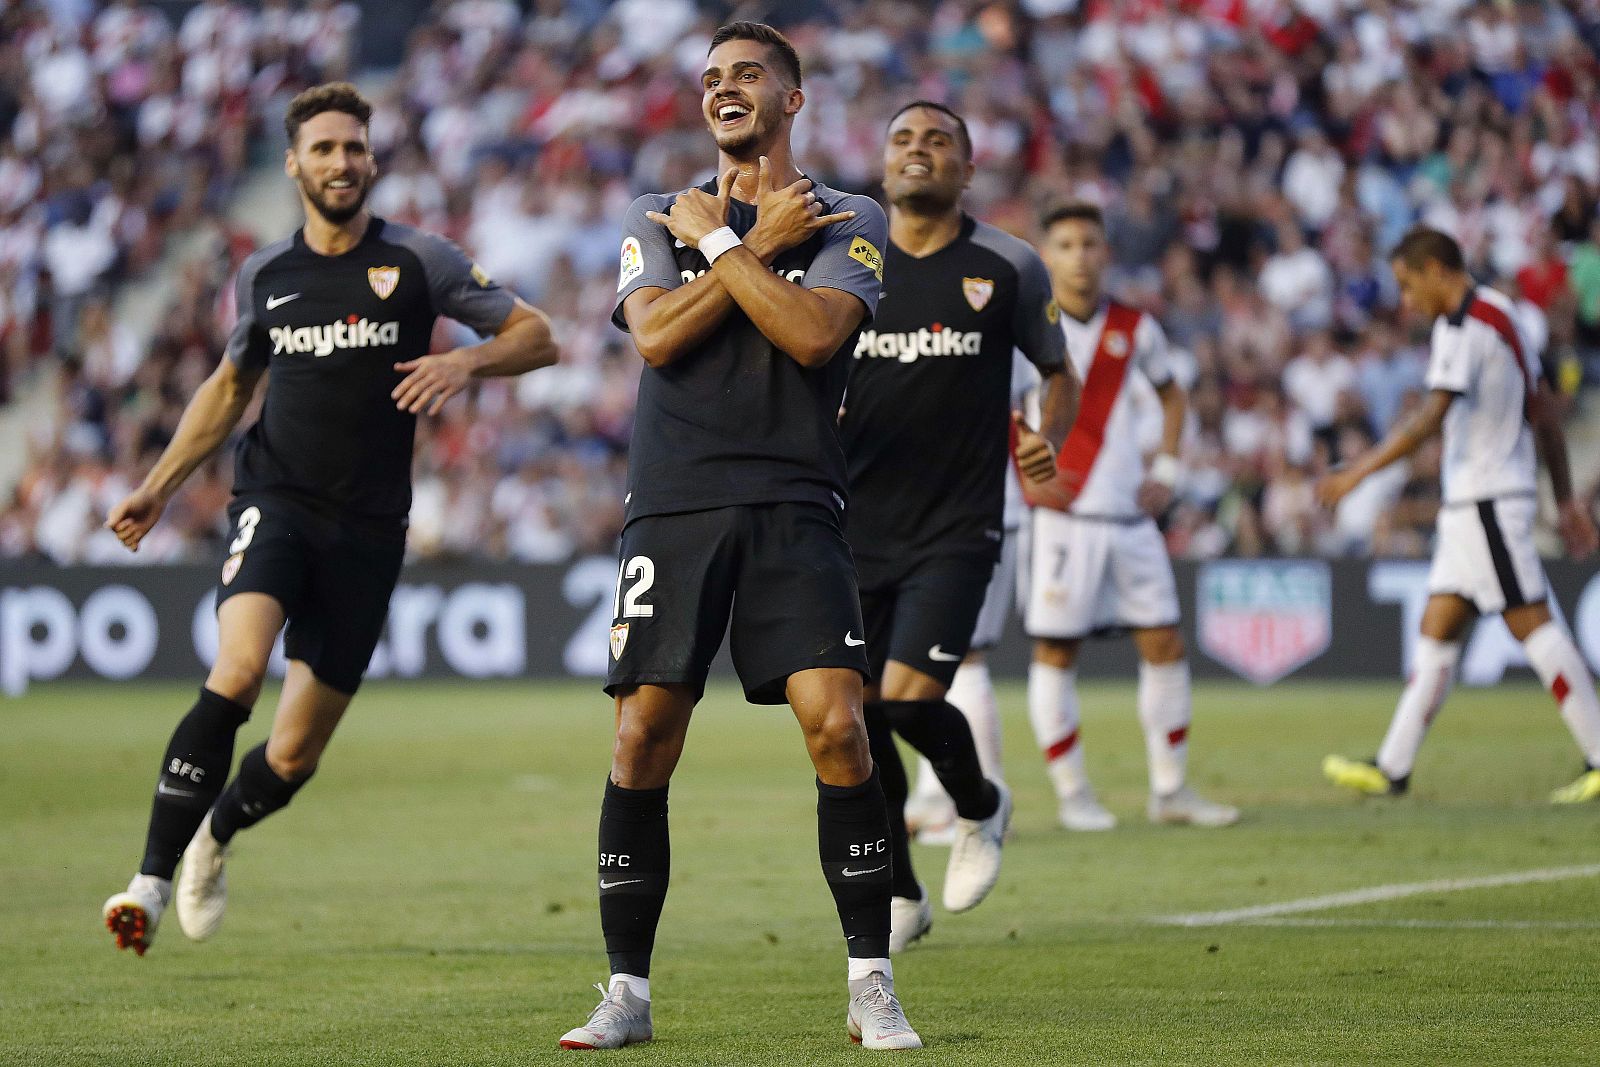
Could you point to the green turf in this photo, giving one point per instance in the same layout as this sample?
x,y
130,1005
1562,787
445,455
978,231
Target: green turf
x,y
429,898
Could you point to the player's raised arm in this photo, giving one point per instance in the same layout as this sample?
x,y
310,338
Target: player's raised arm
x,y
519,338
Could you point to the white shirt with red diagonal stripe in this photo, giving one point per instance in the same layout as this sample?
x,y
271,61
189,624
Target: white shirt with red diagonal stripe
x,y
1481,355
1113,487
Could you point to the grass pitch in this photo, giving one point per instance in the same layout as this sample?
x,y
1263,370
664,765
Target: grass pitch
x,y
429,898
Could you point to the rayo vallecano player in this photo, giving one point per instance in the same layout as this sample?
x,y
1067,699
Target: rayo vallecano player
x,y
926,427
744,297
1097,562
341,315
1485,396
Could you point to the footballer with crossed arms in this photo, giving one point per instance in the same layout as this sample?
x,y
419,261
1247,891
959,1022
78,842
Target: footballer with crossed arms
x,y
744,297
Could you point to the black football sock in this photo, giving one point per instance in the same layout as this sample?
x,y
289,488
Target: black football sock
x,y
193,772
635,862
853,844
938,730
891,773
255,792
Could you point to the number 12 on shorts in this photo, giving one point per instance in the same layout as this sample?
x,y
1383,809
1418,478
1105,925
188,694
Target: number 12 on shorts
x,y
642,571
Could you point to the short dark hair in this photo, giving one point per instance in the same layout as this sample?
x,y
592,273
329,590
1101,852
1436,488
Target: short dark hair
x,y
962,134
332,96
1422,243
1072,211
760,32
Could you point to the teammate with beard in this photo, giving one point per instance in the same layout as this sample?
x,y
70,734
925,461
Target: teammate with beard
x,y
742,296
341,314
926,432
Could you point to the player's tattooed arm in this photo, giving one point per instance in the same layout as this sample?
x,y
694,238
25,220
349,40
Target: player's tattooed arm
x,y
213,412
1573,519
521,343
1404,439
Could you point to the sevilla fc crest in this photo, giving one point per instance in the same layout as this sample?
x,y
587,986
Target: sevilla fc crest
x,y
977,291
230,569
383,280
619,639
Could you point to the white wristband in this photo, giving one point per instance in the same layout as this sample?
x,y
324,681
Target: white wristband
x,y
717,242
1164,470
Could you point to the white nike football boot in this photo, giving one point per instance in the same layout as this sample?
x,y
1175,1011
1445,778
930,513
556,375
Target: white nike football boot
x,y
202,884
975,856
1083,812
1188,808
619,1019
909,920
133,915
875,1018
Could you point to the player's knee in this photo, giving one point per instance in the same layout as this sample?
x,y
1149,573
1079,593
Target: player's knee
x,y
294,761
1163,646
641,736
838,735
239,678
1054,652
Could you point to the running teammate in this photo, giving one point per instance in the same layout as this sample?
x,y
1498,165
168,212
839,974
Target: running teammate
x,y
1098,563
1485,397
926,427
744,298
341,314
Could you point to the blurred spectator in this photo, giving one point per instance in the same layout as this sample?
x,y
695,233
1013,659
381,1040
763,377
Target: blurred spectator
x,y
1255,162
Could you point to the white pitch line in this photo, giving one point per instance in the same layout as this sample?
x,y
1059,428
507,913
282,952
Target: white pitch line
x,y
1376,894
1429,924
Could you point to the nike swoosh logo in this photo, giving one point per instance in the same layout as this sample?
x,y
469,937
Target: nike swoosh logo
x,y
612,885
940,655
850,639
848,873
277,301
168,791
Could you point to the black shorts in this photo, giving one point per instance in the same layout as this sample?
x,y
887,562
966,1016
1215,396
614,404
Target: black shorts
x,y
333,579
924,616
782,573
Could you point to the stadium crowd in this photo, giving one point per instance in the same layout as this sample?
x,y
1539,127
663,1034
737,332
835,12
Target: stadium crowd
x,y
1255,159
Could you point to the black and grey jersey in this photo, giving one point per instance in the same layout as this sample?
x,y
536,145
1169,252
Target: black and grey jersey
x,y
736,420
329,330
926,418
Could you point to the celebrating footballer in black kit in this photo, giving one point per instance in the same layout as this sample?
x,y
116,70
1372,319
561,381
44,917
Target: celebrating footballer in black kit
x,y
926,429
341,315
744,297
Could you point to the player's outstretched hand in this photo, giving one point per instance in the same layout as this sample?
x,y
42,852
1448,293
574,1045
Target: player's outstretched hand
x,y
430,381
135,516
696,212
1577,530
1035,458
787,217
1332,488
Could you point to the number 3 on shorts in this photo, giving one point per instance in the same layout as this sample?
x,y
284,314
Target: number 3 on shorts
x,y
644,569
248,519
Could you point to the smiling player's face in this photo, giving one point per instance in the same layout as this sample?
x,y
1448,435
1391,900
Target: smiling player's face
x,y
333,164
743,98
923,160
